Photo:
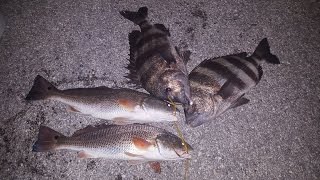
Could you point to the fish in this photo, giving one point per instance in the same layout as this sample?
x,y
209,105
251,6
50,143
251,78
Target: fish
x,y
219,84
122,106
136,143
155,64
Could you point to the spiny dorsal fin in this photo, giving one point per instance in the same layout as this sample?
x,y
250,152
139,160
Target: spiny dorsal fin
x,y
185,55
90,129
167,55
162,28
132,75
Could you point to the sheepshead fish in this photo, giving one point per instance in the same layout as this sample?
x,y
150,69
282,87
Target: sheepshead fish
x,y
137,143
155,64
219,84
123,106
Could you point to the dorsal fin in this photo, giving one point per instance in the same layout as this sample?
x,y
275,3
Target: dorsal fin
x,y
167,55
162,28
132,75
90,129
185,55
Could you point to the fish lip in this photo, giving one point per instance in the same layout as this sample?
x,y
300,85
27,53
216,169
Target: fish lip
x,y
186,156
193,120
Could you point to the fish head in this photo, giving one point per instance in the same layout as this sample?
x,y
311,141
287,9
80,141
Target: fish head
x,y
197,119
175,85
162,109
172,147
201,111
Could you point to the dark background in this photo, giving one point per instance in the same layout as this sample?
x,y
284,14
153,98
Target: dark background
x,y
85,44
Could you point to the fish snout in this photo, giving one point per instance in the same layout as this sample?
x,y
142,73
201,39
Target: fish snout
x,y
195,120
184,99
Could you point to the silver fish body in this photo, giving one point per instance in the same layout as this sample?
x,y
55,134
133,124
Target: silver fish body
x,y
155,64
137,142
219,84
122,106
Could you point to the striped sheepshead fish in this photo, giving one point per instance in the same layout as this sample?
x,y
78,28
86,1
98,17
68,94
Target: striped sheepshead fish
x,y
155,64
219,84
137,143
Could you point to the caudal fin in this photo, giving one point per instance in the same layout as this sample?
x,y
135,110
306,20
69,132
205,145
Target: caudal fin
x,y
47,139
263,52
136,17
41,89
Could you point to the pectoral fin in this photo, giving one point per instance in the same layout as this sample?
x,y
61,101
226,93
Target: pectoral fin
x,y
226,90
155,166
239,102
127,104
141,143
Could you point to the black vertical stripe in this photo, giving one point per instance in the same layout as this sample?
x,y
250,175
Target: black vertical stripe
x,y
142,58
241,65
252,61
198,77
225,73
148,39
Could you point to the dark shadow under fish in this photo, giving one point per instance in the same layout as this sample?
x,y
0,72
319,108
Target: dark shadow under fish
x,y
219,84
155,64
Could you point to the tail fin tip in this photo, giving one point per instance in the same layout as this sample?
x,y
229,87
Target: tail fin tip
x,y
263,52
47,139
41,89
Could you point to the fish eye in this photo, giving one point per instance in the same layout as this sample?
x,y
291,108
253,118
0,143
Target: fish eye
x,y
168,90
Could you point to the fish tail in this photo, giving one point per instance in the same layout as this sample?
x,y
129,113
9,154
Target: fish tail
x,y
263,52
138,17
41,89
47,139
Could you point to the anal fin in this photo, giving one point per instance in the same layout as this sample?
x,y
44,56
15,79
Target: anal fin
x,y
121,121
132,155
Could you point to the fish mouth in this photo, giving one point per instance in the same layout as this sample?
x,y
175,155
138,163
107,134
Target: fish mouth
x,y
184,100
184,154
196,120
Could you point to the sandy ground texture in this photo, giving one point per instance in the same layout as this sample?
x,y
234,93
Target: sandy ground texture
x,y
84,44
